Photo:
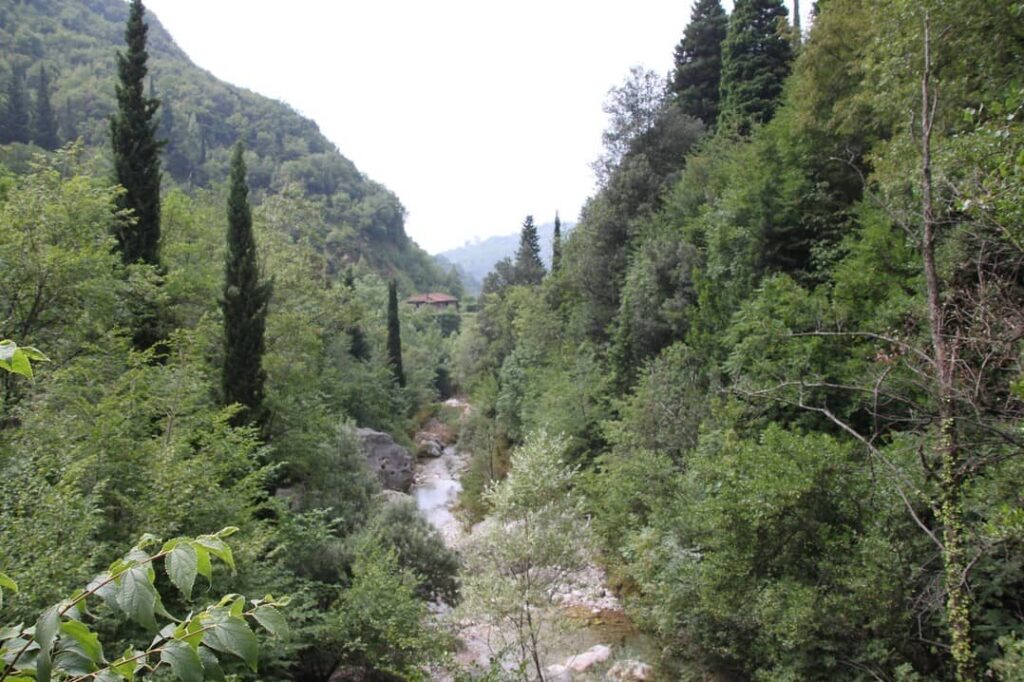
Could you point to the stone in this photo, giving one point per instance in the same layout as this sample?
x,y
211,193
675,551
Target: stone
x,y
557,673
387,459
599,653
429,447
630,671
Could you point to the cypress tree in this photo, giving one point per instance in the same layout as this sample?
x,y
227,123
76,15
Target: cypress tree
x,y
529,269
394,335
244,304
15,124
44,131
698,72
556,246
756,58
136,148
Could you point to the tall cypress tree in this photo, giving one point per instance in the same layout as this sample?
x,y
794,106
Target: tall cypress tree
x,y
529,269
556,246
697,77
245,303
756,58
15,124
394,335
44,124
133,136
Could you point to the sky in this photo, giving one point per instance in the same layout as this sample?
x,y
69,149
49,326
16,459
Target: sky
x,y
475,113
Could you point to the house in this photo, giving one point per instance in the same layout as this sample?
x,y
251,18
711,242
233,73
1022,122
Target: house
x,y
434,300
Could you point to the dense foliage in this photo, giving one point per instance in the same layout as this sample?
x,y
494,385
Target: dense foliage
x,y
114,439
787,354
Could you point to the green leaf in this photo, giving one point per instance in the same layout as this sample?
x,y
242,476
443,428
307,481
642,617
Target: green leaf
x,y
190,632
218,548
33,353
203,565
226,532
46,632
272,620
137,597
233,636
7,583
124,667
184,661
211,666
87,640
237,606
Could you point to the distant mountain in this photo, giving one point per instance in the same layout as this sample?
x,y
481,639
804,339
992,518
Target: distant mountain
x,y
474,260
202,117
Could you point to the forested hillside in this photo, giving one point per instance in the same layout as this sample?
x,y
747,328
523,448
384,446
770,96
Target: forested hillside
x,y
185,357
771,383
784,343
69,42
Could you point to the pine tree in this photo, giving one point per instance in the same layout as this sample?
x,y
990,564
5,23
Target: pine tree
x,y
15,124
244,304
756,58
44,128
394,335
556,246
529,269
136,148
697,77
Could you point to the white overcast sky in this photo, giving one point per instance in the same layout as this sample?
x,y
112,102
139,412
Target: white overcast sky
x,y
474,112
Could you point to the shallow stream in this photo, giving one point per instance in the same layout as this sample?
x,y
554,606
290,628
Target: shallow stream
x,y
590,614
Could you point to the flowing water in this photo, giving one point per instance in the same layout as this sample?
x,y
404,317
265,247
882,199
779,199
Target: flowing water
x,y
590,615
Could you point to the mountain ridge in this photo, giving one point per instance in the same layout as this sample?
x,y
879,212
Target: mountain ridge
x,y
202,117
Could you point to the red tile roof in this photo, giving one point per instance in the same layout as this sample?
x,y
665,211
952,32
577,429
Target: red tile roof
x,y
432,298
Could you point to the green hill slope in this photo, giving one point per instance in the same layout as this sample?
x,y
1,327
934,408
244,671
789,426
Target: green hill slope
x,y
202,117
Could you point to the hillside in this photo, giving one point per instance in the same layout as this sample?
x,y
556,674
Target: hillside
x,y
475,259
201,117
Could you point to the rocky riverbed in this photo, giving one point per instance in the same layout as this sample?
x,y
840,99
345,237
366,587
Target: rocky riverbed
x,y
592,639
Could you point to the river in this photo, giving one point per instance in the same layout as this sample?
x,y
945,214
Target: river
x,y
587,618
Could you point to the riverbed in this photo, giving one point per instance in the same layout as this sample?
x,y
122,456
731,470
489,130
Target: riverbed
x,y
586,615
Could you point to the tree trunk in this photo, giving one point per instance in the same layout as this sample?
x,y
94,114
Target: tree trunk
x,y
950,455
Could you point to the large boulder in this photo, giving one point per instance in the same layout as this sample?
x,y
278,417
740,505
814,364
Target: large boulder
x,y
387,459
581,663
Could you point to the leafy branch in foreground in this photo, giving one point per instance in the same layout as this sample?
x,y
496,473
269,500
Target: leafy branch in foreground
x,y
18,359
60,645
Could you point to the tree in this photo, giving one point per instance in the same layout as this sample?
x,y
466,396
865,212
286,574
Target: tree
x,y
535,539
44,123
696,80
394,335
556,246
245,303
756,59
136,148
529,269
15,125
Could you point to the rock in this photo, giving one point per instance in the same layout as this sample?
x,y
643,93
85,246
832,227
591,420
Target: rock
x,y
599,653
390,461
630,671
557,673
429,447
389,497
